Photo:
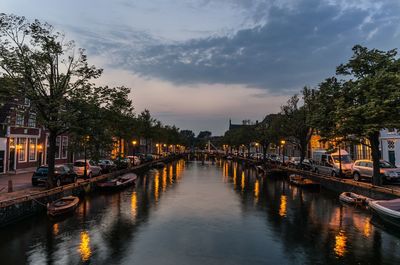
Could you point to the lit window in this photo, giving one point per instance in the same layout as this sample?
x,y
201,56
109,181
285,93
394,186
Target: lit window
x,y
32,149
19,119
21,147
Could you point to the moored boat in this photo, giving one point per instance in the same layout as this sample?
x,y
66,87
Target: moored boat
x,y
62,206
353,198
118,183
388,210
302,181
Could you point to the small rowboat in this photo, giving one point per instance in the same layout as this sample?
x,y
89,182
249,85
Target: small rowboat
x,y
388,210
303,182
118,183
353,198
62,206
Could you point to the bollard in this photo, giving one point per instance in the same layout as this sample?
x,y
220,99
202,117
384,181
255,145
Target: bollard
x,y
10,186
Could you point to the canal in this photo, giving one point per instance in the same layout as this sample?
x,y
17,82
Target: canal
x,y
189,213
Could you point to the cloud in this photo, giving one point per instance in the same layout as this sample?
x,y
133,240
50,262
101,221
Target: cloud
x,y
299,44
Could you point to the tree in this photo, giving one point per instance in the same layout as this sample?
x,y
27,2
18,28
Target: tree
x,y
370,97
269,132
145,127
297,119
48,71
119,114
187,138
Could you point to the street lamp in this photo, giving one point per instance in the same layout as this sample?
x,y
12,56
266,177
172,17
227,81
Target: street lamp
x,y
86,140
283,151
134,142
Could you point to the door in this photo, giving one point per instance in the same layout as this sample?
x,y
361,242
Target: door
x,y
392,157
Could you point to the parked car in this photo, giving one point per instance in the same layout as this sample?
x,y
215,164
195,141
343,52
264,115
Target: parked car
x,y
62,175
330,163
122,163
293,161
107,165
92,169
307,164
363,169
146,158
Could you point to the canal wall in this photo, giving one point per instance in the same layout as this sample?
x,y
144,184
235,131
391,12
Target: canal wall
x,y
18,208
333,183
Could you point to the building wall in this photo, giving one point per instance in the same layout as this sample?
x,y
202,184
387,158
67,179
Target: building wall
x,y
390,146
3,153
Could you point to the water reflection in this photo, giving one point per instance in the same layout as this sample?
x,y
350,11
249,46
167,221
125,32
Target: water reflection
x,y
340,243
134,204
84,246
282,207
186,215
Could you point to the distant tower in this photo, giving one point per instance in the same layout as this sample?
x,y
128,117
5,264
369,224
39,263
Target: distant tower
x,y
230,123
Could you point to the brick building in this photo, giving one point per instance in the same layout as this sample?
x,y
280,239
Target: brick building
x,y
23,142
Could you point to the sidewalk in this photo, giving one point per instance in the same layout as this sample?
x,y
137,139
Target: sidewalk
x,y
21,180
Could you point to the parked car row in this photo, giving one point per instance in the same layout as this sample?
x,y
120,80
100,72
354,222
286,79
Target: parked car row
x,y
69,173
334,163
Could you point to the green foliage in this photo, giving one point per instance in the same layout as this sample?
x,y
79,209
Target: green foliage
x,y
46,69
297,120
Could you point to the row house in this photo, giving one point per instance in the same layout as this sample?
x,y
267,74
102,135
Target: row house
x,y
23,142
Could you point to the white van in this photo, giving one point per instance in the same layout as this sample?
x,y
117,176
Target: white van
x,y
329,163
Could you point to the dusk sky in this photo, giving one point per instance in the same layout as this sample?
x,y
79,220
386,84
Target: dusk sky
x,y
197,63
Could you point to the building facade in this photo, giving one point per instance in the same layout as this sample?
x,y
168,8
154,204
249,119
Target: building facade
x,y
23,142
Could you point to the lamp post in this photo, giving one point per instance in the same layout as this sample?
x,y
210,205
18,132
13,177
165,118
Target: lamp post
x,y
283,151
134,142
84,147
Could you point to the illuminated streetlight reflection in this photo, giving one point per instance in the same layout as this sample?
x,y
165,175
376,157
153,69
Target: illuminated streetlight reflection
x,y
84,246
282,206
340,244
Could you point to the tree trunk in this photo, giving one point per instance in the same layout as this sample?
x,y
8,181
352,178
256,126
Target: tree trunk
x,y
374,140
303,149
51,156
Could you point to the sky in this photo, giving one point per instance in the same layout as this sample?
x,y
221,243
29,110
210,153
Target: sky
x,y
199,63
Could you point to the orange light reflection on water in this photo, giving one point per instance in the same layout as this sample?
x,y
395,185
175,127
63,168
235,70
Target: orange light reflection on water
x,y
256,189
55,229
84,246
283,206
340,243
134,204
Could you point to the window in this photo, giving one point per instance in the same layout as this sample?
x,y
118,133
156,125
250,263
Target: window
x,y
32,121
64,148
58,145
32,149
21,149
27,102
19,119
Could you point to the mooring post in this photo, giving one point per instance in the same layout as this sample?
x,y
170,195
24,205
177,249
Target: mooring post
x,y
10,186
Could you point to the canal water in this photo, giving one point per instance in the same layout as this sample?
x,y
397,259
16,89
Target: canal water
x,y
189,213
